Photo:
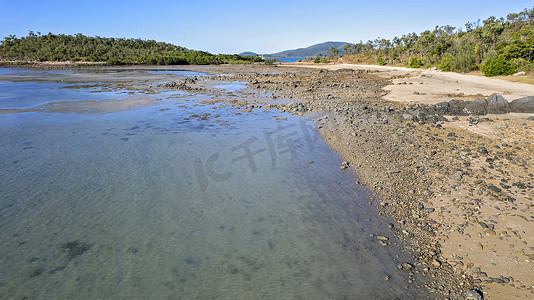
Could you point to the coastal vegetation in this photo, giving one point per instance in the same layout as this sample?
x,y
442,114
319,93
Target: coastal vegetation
x,y
114,51
495,46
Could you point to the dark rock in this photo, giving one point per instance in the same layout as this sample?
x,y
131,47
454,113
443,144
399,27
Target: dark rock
x,y
494,188
523,105
482,150
498,105
474,294
477,107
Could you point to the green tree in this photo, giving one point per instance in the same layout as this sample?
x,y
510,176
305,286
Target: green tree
x,y
333,51
346,48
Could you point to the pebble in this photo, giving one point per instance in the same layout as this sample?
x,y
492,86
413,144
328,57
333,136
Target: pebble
x,y
455,176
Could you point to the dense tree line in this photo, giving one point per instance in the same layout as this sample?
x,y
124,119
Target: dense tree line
x,y
116,51
501,45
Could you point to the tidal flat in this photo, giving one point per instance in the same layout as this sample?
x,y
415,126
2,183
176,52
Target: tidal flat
x,y
171,183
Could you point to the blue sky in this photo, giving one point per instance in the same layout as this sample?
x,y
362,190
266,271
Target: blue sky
x,y
237,26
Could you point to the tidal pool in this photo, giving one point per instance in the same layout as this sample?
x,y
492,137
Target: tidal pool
x,y
181,200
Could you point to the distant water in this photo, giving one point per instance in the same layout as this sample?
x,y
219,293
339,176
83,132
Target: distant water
x,y
287,59
179,200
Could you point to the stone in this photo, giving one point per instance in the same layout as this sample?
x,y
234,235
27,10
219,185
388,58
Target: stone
x,y
473,294
455,176
498,105
480,247
477,107
523,105
382,238
494,188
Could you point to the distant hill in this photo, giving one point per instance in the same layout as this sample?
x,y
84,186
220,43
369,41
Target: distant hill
x,y
248,53
311,50
114,51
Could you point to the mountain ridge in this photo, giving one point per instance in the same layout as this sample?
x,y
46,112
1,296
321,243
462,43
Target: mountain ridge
x,y
311,51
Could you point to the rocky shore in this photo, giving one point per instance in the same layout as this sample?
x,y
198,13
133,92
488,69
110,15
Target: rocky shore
x,y
457,176
457,181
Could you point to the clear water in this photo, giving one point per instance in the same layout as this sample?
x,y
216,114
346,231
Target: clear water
x,y
165,201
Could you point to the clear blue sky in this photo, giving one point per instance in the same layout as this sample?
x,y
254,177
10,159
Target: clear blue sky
x,y
236,26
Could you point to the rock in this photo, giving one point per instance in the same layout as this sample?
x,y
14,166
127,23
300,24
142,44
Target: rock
x,y
477,107
456,107
382,238
407,266
498,105
483,150
436,263
407,116
474,294
523,105
455,176
480,247
531,118
494,188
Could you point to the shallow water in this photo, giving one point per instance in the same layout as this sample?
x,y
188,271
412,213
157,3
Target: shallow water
x,y
182,200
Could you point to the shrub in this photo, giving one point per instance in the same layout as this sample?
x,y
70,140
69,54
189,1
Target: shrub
x,y
445,64
464,62
498,66
415,63
381,61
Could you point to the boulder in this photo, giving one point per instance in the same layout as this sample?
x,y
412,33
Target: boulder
x,y
523,105
498,105
477,107
456,107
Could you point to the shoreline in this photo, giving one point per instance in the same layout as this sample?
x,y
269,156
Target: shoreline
x,y
458,187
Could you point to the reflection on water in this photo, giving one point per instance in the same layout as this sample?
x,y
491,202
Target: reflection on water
x,y
183,200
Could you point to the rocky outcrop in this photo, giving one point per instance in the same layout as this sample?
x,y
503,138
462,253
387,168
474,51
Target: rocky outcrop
x,y
523,105
495,104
